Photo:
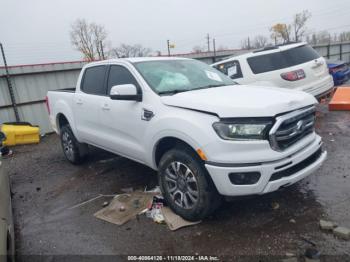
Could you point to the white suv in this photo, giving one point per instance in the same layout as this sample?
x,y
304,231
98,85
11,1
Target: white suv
x,y
293,66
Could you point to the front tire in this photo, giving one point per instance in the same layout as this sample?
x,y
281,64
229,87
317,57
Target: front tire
x,y
186,184
74,151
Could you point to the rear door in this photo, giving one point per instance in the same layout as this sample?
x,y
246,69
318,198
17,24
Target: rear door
x,y
87,104
121,121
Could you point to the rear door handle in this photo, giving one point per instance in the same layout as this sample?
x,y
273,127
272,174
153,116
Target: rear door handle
x,y
106,107
79,102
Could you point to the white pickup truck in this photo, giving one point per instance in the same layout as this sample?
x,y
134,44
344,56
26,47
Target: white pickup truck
x,y
205,135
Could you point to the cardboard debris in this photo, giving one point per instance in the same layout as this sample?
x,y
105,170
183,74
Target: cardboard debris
x,y
174,221
125,207
127,190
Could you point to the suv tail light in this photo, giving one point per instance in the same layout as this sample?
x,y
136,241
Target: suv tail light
x,y
47,104
293,75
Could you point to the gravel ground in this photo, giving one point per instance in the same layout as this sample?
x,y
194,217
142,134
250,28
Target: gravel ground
x,y
46,186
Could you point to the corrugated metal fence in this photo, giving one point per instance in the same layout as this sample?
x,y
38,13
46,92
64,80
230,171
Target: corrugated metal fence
x,y
31,83
30,86
336,51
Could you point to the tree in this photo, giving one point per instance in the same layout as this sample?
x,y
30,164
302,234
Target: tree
x,y
198,49
125,50
291,32
259,41
280,32
344,36
299,24
222,48
89,38
322,37
245,44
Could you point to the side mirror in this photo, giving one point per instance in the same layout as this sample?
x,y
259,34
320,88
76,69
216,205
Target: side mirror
x,y
2,137
125,92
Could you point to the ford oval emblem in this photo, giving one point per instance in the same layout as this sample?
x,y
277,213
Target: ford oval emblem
x,y
300,126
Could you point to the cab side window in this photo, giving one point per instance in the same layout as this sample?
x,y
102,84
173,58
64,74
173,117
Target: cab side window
x,y
119,75
93,80
232,69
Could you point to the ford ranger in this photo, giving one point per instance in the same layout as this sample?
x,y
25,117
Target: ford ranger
x,y
206,136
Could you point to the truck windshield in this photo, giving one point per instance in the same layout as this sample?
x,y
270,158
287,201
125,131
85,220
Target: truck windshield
x,y
174,76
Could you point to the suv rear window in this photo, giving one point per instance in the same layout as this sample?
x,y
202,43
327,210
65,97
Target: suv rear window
x,y
279,60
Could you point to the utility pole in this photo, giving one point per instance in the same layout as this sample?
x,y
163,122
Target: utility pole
x,y
9,84
248,43
102,53
214,48
168,44
208,41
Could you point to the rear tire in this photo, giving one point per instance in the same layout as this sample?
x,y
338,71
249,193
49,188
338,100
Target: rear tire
x,y
186,184
74,151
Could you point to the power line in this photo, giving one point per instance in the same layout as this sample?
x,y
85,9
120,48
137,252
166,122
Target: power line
x,y
265,24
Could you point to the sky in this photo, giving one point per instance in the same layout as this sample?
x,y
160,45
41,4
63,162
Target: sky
x,y
37,31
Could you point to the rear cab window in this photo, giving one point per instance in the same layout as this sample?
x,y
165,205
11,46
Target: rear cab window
x,y
283,59
93,80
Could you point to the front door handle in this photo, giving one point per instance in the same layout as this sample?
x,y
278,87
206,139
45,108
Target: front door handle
x,y
106,107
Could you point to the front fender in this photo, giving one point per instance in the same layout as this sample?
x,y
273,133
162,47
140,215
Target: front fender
x,y
193,128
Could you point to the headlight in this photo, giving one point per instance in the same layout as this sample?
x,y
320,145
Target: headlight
x,y
243,130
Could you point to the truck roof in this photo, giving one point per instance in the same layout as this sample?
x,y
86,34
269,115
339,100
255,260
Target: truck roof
x,y
136,60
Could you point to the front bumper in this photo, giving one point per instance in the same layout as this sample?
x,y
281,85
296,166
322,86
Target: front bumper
x,y
220,172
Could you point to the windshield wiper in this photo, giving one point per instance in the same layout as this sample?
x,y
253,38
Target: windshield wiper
x,y
172,92
207,86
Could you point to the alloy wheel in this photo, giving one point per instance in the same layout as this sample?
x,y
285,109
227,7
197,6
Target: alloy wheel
x,y
182,185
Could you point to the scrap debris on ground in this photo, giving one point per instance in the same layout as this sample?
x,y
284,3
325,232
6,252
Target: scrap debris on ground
x,y
127,206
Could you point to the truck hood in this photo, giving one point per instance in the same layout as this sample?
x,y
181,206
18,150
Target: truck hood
x,y
241,100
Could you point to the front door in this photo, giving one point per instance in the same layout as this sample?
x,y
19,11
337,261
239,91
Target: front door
x,y
121,121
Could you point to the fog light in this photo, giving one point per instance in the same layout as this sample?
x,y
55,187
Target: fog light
x,y
248,178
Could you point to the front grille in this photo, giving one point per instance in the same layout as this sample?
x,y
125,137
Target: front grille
x,y
296,168
292,127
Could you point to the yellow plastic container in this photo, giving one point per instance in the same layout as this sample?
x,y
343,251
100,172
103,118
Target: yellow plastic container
x,y
20,134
